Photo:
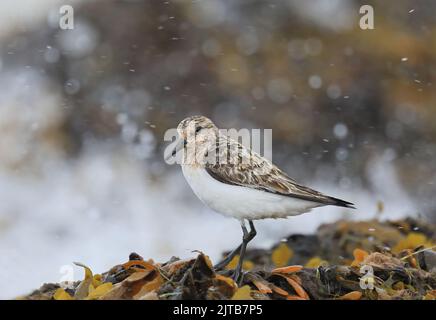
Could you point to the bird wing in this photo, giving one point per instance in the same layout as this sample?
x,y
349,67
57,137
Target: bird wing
x,y
246,168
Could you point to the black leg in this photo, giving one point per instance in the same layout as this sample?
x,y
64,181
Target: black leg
x,y
247,237
221,265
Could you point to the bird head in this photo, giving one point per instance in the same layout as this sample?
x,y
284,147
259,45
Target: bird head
x,y
196,135
198,129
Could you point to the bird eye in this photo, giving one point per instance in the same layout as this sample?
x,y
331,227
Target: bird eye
x,y
198,129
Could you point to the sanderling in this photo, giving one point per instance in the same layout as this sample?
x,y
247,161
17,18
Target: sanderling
x,y
237,182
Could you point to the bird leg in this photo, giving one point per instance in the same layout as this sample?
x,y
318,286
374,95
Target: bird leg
x,y
247,237
221,265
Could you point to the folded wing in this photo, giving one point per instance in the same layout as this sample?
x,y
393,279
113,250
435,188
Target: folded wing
x,y
243,167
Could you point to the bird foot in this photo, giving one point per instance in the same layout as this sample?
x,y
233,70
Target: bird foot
x,y
220,266
238,277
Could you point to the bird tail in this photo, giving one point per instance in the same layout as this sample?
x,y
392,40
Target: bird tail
x,y
341,203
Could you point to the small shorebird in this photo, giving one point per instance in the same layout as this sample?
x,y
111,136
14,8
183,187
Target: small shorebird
x,y
237,182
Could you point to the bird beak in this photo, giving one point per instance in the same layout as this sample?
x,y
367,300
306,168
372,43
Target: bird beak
x,y
181,143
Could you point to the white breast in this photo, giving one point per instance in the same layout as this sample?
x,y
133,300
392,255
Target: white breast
x,y
242,202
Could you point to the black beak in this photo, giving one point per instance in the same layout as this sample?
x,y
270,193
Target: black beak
x,y
181,144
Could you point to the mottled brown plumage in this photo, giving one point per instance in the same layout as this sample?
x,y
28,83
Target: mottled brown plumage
x,y
259,173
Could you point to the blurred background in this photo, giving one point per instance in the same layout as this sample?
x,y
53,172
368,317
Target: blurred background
x,y
83,113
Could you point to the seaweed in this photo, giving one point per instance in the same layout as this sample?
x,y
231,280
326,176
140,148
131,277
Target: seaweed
x,y
346,260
